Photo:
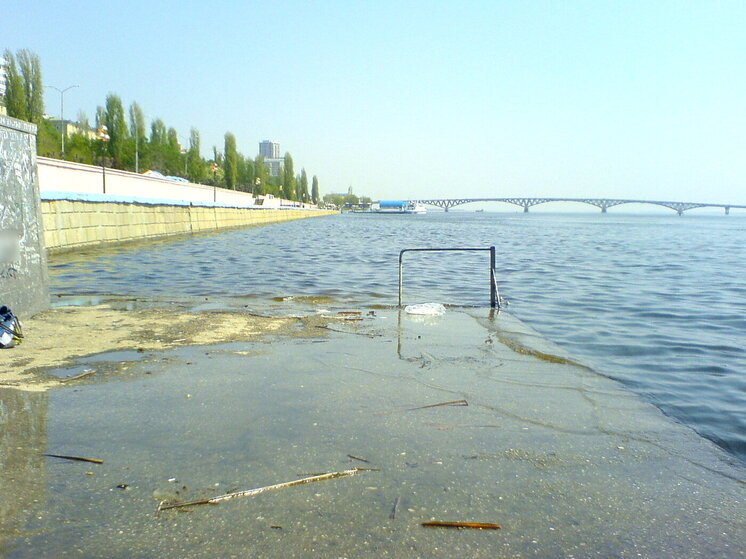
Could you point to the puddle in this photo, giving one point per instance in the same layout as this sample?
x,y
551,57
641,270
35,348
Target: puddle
x,y
567,462
70,372
114,357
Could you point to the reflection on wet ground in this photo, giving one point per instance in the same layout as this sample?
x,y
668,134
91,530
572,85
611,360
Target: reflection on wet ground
x,y
565,460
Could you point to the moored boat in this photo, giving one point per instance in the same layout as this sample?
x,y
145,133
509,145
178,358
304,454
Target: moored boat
x,y
398,207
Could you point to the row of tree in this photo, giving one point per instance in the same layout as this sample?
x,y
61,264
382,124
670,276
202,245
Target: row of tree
x,y
132,147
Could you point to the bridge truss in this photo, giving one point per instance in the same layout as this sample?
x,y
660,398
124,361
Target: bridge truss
x,y
603,203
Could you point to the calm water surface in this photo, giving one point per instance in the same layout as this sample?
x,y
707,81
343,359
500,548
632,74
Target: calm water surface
x,y
658,302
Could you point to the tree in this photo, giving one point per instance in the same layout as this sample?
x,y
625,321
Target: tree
x,y
15,99
245,174
117,128
315,190
303,187
80,148
100,116
48,139
261,175
231,161
83,122
137,130
158,133
195,163
137,121
174,163
288,178
157,146
33,90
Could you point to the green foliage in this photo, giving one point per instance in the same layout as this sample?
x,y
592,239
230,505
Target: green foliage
x,y
33,89
117,129
231,161
315,190
341,200
82,122
288,178
245,177
158,133
80,148
48,140
100,116
130,148
15,98
196,167
261,175
138,135
137,121
302,187
163,153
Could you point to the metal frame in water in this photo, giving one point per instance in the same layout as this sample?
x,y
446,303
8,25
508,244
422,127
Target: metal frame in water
x,y
494,295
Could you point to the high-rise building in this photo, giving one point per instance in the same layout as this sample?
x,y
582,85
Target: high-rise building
x,y
3,74
269,149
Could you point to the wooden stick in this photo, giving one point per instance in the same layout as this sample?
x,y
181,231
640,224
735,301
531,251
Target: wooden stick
x,y
259,490
439,404
392,515
81,375
462,525
451,403
78,458
358,458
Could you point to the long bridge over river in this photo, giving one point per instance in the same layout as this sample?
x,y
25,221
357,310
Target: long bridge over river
x,y
603,203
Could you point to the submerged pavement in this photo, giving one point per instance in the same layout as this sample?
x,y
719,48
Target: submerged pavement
x,y
565,460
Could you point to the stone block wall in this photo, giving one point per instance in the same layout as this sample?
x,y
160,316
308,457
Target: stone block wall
x,y
73,224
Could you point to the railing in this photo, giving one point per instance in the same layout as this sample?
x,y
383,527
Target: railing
x,y
494,295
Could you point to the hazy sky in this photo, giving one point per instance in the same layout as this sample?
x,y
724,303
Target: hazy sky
x,y
426,99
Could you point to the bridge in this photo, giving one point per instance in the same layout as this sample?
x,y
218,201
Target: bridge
x,y
603,203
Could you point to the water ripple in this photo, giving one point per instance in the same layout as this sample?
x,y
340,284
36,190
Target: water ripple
x,y
656,302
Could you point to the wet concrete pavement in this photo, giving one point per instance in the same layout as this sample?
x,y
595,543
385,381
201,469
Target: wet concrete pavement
x,y
566,461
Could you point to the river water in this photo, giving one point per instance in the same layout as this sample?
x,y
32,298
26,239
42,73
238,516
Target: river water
x,y
657,302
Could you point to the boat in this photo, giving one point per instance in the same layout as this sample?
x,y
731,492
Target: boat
x,y
398,207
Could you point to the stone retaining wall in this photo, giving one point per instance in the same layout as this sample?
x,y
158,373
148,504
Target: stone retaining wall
x,y
23,264
72,224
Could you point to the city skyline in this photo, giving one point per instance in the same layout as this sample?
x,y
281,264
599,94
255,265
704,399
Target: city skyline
x,y
595,99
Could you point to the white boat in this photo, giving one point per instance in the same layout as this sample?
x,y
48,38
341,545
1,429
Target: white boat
x,y
398,207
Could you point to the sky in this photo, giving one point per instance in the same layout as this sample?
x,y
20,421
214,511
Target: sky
x,y
425,99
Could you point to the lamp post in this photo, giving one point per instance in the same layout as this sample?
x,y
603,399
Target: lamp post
x,y
214,182
102,134
62,111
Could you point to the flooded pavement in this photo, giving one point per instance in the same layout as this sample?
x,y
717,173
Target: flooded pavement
x,y
566,461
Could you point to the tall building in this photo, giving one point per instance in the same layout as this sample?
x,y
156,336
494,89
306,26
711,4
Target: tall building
x,y
3,63
269,149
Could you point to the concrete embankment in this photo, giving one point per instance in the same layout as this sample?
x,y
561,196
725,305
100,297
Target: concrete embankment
x,y
77,221
86,205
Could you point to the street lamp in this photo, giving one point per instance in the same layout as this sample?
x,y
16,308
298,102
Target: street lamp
x,y
214,182
103,134
62,111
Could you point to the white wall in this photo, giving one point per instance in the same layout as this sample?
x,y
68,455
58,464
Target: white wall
x,y
65,176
